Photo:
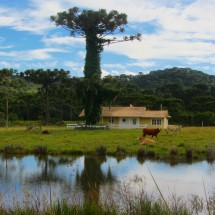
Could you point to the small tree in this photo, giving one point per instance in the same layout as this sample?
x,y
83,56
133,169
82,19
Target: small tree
x,y
94,26
46,79
10,84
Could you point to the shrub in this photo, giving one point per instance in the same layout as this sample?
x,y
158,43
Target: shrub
x,y
41,150
101,150
211,153
120,151
189,153
13,149
45,132
150,154
173,152
141,153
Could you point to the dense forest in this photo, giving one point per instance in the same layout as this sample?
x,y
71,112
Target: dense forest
x,y
53,96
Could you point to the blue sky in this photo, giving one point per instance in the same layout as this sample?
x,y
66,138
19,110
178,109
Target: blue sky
x,y
175,33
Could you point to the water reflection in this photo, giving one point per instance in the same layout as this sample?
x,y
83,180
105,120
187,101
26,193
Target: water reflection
x,y
92,177
31,178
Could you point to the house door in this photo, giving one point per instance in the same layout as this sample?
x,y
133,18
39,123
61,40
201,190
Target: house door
x,y
129,123
134,122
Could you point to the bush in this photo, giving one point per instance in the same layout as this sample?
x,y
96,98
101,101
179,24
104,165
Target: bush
x,y
211,153
13,149
141,153
189,153
101,150
120,151
41,150
150,154
173,152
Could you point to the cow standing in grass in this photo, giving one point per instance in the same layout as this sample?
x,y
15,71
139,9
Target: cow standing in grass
x,y
151,131
173,129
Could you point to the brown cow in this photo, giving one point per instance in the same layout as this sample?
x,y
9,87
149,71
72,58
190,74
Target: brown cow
x,y
144,140
151,131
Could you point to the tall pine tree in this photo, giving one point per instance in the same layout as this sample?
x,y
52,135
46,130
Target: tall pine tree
x,y
94,26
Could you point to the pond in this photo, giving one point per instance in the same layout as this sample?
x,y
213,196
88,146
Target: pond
x,y
41,179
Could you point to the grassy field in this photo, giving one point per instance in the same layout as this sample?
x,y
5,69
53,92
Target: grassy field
x,y
195,142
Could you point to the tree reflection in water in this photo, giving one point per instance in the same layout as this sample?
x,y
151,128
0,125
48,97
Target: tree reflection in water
x,y
92,177
49,180
80,179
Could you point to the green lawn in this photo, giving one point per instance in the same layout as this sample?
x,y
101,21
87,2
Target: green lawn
x,y
201,140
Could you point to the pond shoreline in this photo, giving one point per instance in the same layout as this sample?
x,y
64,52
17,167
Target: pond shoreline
x,y
196,143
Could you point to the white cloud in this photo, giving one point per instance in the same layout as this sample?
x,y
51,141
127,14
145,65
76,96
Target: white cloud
x,y
34,19
44,65
162,46
126,72
142,64
7,54
181,30
82,54
69,41
41,54
72,64
192,17
6,47
37,54
5,64
117,65
104,73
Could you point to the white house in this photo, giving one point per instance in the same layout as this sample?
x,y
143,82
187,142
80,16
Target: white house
x,y
133,117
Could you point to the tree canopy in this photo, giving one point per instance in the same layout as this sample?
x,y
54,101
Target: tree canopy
x,y
57,95
95,27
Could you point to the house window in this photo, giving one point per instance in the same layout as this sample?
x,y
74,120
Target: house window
x,y
134,121
156,121
111,120
123,120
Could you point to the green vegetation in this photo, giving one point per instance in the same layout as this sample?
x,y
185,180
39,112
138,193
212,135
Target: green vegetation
x,y
120,201
192,142
94,26
53,96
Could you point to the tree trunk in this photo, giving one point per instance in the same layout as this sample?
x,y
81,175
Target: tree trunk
x,y
61,112
7,113
47,108
92,61
92,71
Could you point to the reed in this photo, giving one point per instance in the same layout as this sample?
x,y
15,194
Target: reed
x,y
124,199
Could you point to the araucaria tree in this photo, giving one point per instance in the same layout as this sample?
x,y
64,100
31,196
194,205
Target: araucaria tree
x,y
95,27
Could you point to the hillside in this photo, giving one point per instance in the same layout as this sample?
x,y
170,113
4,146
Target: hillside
x,y
183,76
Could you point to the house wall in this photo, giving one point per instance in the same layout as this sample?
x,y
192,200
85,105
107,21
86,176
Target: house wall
x,y
165,123
129,122
147,122
121,122
117,122
114,123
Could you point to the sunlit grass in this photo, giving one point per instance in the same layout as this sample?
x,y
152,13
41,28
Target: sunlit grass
x,y
67,140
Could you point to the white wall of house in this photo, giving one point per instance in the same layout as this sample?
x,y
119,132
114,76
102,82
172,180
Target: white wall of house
x,y
135,122
129,122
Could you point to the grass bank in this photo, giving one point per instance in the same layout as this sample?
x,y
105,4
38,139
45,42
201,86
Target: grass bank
x,y
192,142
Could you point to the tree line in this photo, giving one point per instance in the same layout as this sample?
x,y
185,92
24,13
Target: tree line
x,y
53,96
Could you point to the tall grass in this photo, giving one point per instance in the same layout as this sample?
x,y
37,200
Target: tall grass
x,y
124,199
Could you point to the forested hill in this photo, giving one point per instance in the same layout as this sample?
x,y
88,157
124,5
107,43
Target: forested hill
x,y
53,96
182,76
